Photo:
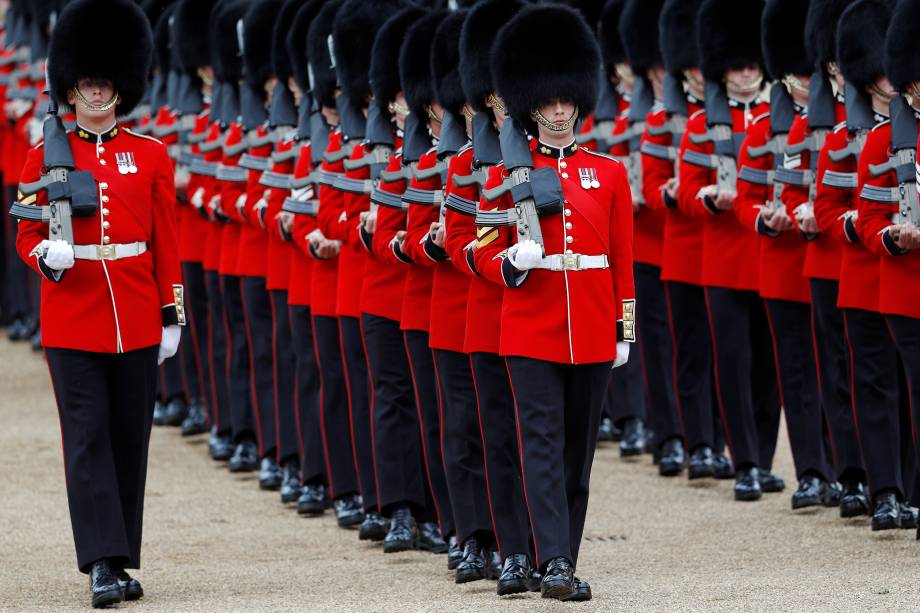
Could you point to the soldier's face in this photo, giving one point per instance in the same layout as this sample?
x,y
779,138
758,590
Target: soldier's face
x,y
558,111
96,91
744,80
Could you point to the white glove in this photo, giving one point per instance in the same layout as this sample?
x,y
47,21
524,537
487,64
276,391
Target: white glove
x,y
622,353
169,343
198,198
58,254
525,255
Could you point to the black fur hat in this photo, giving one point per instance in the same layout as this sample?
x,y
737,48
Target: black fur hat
x,y
445,63
821,29
296,42
479,31
782,38
85,45
590,9
677,34
162,41
281,61
528,72
728,35
384,67
225,48
638,29
354,31
608,35
902,64
861,41
415,61
193,43
321,62
258,24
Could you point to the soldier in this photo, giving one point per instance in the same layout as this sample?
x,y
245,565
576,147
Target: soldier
x,y
559,364
112,301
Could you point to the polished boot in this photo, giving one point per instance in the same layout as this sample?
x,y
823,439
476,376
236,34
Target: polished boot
x,y
811,493
853,500
581,591
429,538
454,553
159,413
671,458
312,499
36,341
832,498
373,528
290,481
747,485
558,580
103,585
605,431
245,458
633,442
175,413
131,586
220,447
769,482
908,517
403,534
18,330
473,565
887,513
701,464
196,422
723,467
348,510
270,475
515,575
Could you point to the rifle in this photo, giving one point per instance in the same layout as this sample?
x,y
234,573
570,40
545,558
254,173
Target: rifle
x,y
642,101
605,114
782,114
903,162
675,105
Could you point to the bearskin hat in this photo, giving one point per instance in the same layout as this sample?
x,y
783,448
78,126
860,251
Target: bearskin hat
x,y
353,33
677,34
902,65
590,9
528,73
318,54
638,29
476,36
193,43
281,61
415,61
782,38
821,29
384,68
608,35
82,46
296,42
225,47
258,24
445,63
162,42
728,35
861,41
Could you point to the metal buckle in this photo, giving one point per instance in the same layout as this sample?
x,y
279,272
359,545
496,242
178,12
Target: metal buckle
x,y
570,261
105,252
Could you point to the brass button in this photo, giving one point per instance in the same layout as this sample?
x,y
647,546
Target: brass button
x,y
569,239
105,212
568,212
105,198
101,149
565,175
568,225
568,252
106,240
562,164
106,225
102,162
103,185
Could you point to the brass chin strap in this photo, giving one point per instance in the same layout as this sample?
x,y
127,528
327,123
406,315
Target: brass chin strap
x,y
746,89
794,83
549,125
397,109
468,112
498,104
832,69
881,93
86,104
432,115
913,94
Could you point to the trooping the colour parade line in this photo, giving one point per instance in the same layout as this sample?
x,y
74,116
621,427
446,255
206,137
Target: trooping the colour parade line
x,y
410,265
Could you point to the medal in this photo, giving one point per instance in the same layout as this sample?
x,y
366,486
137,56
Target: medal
x,y
585,177
594,182
125,162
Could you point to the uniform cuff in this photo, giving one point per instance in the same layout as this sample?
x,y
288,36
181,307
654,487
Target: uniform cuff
x,y
710,205
50,274
626,327
170,315
511,275
471,262
762,228
433,251
669,201
849,230
367,239
890,246
399,253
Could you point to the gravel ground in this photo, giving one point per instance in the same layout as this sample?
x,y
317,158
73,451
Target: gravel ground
x,y
214,542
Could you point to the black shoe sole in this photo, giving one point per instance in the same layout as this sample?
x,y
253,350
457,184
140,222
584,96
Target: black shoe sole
x,y
288,498
855,509
886,523
748,496
557,592
313,509
269,486
513,586
220,456
350,521
377,534
452,564
105,599
577,597
700,473
397,546
440,548
670,470
194,430
241,469
631,452
469,576
134,593
804,503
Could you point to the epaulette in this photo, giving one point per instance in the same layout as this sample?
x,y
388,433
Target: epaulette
x,y
879,125
760,117
600,155
128,131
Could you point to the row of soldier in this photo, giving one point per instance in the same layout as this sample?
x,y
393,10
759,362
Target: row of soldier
x,y
351,273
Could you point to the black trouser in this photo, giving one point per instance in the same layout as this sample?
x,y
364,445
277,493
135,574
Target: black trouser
x,y
461,443
501,454
19,299
238,375
105,402
692,362
558,413
790,326
340,458
285,414
875,398
309,420
257,310
171,382
358,389
218,356
431,427
397,447
745,370
833,359
194,340
626,393
656,353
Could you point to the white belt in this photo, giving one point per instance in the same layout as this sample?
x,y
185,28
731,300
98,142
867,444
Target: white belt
x,y
108,252
573,261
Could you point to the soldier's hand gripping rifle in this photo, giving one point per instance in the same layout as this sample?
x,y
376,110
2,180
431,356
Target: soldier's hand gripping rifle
x,y
642,101
71,193
452,138
903,162
533,192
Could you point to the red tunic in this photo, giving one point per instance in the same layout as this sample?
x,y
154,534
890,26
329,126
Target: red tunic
x,y
416,304
300,275
253,250
354,254
331,208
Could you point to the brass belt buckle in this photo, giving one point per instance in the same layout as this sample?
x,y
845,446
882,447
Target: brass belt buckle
x,y
105,252
570,261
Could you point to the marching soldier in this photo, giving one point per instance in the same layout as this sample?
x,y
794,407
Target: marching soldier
x,y
111,301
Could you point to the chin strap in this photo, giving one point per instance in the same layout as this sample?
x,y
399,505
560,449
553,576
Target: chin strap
x,y
743,90
397,109
549,125
498,104
86,104
794,83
